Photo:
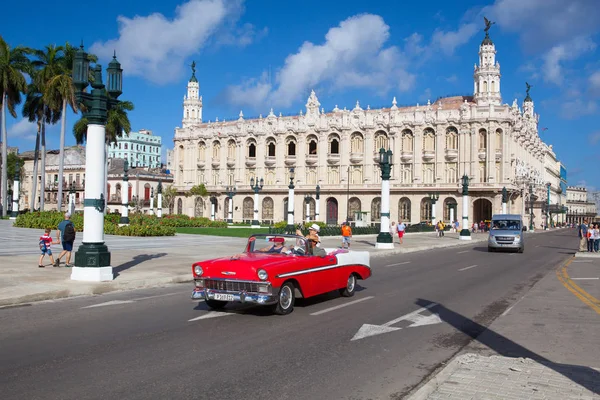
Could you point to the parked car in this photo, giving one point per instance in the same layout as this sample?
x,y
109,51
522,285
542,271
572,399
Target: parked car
x,y
506,233
274,270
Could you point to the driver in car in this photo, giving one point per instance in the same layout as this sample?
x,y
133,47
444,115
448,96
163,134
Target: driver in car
x,y
277,246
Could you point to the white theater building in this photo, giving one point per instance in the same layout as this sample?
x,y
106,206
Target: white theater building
x,y
495,144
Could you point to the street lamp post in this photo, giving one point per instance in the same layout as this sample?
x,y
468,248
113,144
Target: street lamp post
x,y
465,233
531,207
159,200
71,198
348,196
548,185
317,198
151,211
384,239
124,220
230,192
15,193
290,211
257,188
434,197
92,259
504,199
213,207
307,199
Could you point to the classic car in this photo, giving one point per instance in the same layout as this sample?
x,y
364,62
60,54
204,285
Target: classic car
x,y
274,270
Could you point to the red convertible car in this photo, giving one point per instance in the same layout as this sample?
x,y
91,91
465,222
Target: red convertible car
x,y
276,269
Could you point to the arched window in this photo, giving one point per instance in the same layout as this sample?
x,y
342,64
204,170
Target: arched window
x,y
376,209
248,208
198,207
450,204
179,206
311,176
216,150
451,173
252,150
291,146
267,209
353,206
407,141
381,140
485,86
493,86
482,139
201,151
452,138
334,144
312,145
498,139
428,173
126,146
429,140
357,143
271,147
404,209
231,149
426,209
270,177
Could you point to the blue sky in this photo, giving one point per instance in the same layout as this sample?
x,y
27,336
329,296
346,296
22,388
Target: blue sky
x,y
257,54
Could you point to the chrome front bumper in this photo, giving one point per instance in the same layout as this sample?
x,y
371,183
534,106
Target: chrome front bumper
x,y
241,297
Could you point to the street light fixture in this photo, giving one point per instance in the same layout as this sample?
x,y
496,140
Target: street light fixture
x,y
307,200
317,198
290,211
434,197
230,192
465,233
548,185
257,188
384,239
92,259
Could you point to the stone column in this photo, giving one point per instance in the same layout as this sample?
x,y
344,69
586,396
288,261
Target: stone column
x,y
159,203
15,195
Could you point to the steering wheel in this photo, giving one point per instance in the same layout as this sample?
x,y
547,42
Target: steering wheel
x,y
299,250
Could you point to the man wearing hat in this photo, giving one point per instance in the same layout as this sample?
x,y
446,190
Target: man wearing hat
x,y
313,240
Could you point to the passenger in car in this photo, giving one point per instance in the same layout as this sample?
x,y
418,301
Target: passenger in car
x,y
313,242
277,246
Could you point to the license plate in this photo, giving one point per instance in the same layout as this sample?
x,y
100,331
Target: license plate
x,y
224,297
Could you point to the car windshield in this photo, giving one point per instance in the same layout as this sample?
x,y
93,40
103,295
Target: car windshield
x,y
506,224
273,244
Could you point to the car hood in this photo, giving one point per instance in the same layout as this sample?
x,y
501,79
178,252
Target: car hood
x,y
244,267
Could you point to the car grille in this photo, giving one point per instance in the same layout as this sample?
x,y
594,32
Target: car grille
x,y
231,285
505,239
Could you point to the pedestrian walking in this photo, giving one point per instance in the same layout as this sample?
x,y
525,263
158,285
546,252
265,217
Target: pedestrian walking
x,y
346,235
45,244
440,227
65,236
583,236
401,227
393,230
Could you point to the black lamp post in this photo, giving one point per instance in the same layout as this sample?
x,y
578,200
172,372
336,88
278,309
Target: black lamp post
x,y
384,239
257,188
307,200
504,199
465,233
348,196
530,207
317,198
548,185
230,192
92,259
290,211
434,197
124,220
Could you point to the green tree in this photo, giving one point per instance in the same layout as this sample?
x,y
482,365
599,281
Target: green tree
x,y
198,190
169,193
13,160
14,64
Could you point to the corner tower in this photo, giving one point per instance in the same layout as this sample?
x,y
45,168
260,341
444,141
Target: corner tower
x,y
192,103
487,74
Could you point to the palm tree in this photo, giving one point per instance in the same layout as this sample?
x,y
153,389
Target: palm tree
x,y
13,65
61,94
36,110
48,64
117,123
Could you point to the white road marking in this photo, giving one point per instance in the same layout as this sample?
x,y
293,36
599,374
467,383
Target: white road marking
x,y
511,307
466,268
154,297
341,306
464,251
415,317
111,303
400,263
212,314
582,261
583,279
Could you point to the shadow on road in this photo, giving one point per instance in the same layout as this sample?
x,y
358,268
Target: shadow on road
x,y
135,261
581,375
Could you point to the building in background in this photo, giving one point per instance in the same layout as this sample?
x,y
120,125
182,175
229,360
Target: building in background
x,y
580,205
141,149
170,158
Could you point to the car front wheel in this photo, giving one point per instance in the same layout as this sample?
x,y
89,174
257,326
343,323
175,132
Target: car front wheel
x,y
216,304
350,288
285,299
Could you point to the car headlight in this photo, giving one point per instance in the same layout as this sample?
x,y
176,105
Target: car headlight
x,y
517,237
262,275
198,270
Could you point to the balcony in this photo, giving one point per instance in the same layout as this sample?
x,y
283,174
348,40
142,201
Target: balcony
x,y
333,159
200,163
250,162
290,161
216,162
428,155
312,159
406,156
451,154
356,158
482,154
52,187
270,161
231,161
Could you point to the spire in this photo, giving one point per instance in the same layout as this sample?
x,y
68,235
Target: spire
x,y
486,40
488,25
193,78
528,98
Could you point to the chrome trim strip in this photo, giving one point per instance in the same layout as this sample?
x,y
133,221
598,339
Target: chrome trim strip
x,y
230,280
307,271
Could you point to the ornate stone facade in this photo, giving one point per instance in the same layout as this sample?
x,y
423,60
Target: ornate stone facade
x,y
497,145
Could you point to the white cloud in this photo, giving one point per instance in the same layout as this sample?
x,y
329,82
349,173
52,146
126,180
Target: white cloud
x,y
353,55
578,108
156,47
595,81
23,129
447,42
452,78
552,68
594,138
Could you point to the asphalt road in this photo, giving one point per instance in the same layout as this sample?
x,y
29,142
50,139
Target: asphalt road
x,y
142,344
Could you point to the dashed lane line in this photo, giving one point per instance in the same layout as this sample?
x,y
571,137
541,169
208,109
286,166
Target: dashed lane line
x,y
466,268
400,263
464,251
584,279
341,306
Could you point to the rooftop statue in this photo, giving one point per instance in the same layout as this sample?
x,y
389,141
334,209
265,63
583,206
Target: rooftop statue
x,y
488,24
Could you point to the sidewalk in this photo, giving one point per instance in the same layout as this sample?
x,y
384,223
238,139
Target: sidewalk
x,y
543,347
149,262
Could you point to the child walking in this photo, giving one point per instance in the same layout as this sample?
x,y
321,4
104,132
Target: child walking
x,y
45,243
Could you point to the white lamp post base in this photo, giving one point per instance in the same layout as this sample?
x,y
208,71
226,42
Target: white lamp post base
x,y
254,226
90,274
379,245
465,237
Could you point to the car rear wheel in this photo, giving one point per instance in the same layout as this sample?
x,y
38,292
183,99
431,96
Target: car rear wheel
x,y
285,299
350,288
216,304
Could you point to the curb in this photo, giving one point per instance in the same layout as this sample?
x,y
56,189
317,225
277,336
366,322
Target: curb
x,y
95,289
440,376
